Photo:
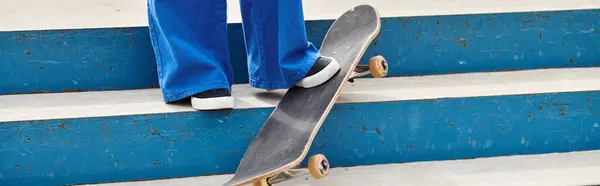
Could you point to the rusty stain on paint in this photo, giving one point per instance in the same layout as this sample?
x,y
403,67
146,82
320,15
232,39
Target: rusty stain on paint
x,y
365,128
63,125
459,41
378,131
562,112
588,102
23,36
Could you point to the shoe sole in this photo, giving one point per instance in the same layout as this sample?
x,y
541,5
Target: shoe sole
x,y
218,103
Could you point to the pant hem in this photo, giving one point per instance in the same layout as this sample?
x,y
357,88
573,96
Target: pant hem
x,y
284,85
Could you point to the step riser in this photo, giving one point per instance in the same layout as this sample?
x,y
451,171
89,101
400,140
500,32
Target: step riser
x,y
574,168
122,58
126,148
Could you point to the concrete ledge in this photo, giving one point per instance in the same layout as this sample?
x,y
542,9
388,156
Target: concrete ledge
x,y
18,15
32,107
574,168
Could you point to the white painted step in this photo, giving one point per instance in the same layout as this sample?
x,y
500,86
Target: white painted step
x,y
66,14
560,169
129,102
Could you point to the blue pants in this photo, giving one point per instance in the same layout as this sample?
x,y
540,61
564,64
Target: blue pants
x,y
190,44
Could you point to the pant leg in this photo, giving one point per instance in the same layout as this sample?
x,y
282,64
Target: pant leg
x,y
190,44
279,54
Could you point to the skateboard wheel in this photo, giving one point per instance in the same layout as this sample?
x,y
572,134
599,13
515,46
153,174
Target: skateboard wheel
x,y
378,66
318,166
262,182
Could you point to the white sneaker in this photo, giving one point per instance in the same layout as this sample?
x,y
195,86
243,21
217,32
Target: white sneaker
x,y
216,99
323,69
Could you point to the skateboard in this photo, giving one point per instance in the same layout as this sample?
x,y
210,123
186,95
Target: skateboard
x,y
285,139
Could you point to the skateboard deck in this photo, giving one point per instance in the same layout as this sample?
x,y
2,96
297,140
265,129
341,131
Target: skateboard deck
x,y
285,138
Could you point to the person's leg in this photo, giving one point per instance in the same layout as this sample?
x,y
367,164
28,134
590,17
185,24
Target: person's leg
x,y
190,44
279,54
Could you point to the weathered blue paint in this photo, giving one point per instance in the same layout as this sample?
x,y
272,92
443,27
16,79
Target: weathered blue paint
x,y
102,59
127,148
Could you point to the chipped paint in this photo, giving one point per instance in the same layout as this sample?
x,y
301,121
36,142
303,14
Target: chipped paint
x,y
157,146
122,58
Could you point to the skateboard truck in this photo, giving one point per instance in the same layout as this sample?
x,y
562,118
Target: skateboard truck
x,y
318,167
377,67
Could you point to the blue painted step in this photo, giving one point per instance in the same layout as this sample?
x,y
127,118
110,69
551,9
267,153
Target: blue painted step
x,y
118,136
572,168
121,58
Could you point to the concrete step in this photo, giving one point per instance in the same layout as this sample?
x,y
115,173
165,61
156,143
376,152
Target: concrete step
x,y
115,136
573,168
70,45
74,14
